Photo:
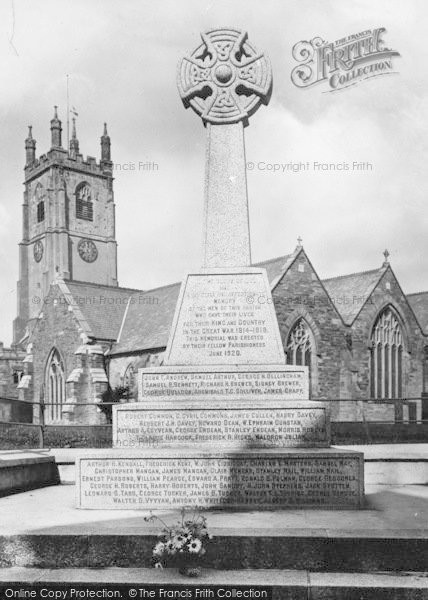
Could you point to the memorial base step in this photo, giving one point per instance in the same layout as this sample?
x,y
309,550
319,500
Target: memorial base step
x,y
284,585
168,478
390,534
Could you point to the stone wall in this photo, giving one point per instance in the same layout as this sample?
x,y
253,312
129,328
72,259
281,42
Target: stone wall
x,y
118,369
77,436
14,411
378,433
11,369
17,435
301,294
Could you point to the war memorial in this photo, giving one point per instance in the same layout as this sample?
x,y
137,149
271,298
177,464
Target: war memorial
x,y
224,422
224,426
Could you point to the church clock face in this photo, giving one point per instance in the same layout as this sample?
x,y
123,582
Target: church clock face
x,y
87,250
38,251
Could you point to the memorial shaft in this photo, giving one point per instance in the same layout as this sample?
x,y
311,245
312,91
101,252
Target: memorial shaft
x,y
226,222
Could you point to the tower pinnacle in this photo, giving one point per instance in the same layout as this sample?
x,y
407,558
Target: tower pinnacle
x,y
74,142
30,147
105,148
56,130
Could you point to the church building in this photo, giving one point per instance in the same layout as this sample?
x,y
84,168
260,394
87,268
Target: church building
x,y
78,333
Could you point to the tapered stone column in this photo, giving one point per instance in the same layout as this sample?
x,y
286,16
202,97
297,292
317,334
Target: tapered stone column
x,y
226,224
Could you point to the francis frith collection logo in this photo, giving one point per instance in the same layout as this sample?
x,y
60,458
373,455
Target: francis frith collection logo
x,y
342,63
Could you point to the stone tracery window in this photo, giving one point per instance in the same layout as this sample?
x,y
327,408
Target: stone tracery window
x,y
55,387
300,344
84,205
386,357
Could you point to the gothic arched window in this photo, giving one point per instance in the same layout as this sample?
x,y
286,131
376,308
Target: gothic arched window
x,y
55,387
386,357
300,349
300,344
84,206
40,203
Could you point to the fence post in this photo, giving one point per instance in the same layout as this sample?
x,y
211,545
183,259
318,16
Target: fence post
x,y
366,426
42,416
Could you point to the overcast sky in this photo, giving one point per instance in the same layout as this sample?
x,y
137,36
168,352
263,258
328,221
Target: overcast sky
x,y
122,57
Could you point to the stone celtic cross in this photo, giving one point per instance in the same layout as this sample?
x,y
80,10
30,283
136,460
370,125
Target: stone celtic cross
x,y
224,81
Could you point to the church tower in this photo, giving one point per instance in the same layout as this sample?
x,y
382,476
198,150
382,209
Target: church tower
x,y
68,221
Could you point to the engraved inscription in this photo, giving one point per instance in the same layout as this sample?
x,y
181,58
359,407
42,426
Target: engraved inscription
x,y
233,384
244,427
226,319
221,481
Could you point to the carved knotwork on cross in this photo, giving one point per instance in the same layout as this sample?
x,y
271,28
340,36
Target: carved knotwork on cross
x,y
225,79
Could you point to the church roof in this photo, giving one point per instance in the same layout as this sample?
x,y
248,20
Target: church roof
x,y
144,321
148,318
102,306
276,267
350,292
419,304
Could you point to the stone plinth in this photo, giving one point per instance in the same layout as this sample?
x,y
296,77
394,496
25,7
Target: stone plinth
x,y
232,383
254,479
243,425
224,317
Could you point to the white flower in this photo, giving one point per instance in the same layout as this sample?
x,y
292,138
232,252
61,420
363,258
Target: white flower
x,y
195,546
159,549
178,541
170,548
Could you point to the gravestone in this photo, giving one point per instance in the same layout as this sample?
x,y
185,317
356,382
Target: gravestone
x,y
225,422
